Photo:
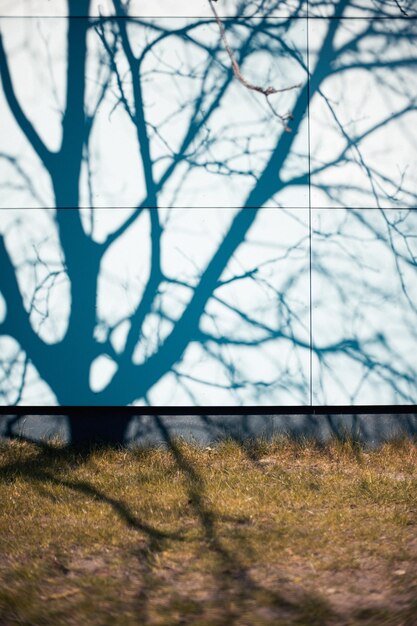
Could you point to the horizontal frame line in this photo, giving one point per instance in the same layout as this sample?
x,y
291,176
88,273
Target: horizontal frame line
x,y
199,411
207,17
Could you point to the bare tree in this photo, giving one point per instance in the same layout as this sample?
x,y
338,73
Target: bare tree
x,y
164,139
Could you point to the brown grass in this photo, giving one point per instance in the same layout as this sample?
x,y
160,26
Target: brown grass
x,y
261,533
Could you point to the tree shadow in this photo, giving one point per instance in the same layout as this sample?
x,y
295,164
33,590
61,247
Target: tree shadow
x,y
235,589
204,147
81,429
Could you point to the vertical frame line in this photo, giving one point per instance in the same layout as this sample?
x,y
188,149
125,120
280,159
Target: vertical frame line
x,y
310,238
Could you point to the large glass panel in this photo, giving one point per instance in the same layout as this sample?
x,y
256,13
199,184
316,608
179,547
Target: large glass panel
x,y
114,112
363,114
164,307
364,287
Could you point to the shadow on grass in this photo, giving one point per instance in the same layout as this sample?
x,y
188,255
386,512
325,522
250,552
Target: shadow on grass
x,y
235,592
239,591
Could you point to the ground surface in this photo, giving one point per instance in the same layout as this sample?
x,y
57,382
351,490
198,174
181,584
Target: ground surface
x,y
282,533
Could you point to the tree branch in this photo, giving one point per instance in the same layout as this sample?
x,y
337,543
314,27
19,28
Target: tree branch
x,y
139,113
123,227
141,378
17,323
66,174
155,276
25,125
266,91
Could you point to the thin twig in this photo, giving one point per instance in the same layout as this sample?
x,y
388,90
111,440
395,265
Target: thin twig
x,y
266,91
403,11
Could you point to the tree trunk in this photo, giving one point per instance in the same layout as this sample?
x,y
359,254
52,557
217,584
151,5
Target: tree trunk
x,y
98,430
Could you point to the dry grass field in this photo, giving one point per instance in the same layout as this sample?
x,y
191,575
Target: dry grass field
x,y
247,534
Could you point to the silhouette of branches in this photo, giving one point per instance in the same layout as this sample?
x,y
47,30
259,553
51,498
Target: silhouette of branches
x,y
194,286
